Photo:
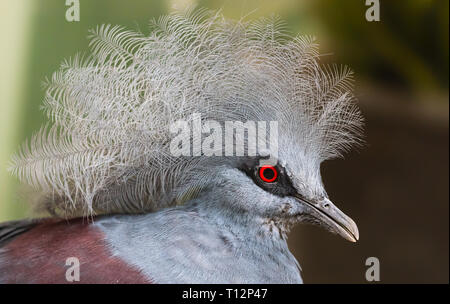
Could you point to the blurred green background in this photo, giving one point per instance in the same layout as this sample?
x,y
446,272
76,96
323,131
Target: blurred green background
x,y
396,188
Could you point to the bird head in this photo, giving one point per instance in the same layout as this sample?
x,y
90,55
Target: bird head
x,y
283,189
283,195
111,146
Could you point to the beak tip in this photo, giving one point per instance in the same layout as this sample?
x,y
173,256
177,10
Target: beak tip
x,y
352,238
355,233
351,230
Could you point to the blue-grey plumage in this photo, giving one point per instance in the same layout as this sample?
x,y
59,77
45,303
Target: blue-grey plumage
x,y
233,234
183,246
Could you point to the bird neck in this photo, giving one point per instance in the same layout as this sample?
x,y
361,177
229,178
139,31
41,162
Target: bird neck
x,y
240,222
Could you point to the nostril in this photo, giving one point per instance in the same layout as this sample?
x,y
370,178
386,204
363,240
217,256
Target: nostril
x,y
326,205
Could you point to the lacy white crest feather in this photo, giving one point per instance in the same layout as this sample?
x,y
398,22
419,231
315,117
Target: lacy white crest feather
x,y
108,148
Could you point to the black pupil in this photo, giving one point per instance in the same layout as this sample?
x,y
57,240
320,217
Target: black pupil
x,y
268,173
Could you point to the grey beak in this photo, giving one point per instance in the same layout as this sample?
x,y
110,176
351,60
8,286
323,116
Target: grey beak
x,y
337,220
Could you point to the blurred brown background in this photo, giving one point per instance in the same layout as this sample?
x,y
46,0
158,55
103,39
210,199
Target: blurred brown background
x,y
395,188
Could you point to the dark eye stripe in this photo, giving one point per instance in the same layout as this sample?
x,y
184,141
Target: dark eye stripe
x,y
280,186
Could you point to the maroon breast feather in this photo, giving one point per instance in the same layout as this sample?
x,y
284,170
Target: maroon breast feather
x,y
39,256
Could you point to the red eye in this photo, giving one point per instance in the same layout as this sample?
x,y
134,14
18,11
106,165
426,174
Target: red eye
x,y
268,173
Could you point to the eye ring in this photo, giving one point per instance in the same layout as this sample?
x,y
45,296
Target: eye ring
x,y
270,168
